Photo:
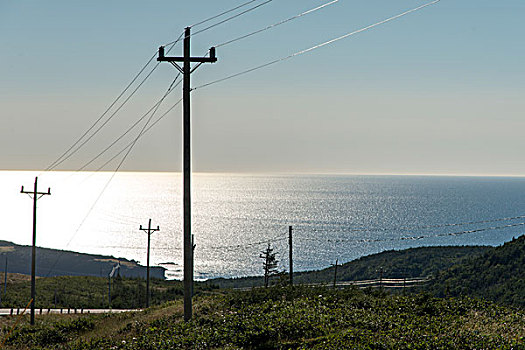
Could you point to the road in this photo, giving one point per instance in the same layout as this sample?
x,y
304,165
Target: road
x,y
15,311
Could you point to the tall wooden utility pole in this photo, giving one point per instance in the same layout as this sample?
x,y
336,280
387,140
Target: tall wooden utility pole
x,y
149,231
290,254
186,71
36,196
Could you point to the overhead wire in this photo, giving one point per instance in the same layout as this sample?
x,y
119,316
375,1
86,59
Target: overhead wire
x,y
155,106
52,165
223,21
331,41
129,149
105,122
231,41
232,17
246,245
145,131
421,227
406,238
222,13
76,146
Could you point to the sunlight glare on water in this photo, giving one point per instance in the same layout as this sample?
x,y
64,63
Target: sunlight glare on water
x,y
234,216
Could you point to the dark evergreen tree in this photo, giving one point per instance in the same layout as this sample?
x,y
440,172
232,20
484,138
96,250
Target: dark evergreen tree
x,y
269,264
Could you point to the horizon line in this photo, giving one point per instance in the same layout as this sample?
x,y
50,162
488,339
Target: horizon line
x,y
285,173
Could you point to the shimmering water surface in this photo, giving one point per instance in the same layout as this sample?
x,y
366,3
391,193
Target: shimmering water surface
x,y
234,216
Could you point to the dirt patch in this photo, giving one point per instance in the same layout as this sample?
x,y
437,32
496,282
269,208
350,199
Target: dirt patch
x,y
115,261
7,249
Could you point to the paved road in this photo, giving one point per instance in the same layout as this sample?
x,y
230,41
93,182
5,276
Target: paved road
x,y
14,311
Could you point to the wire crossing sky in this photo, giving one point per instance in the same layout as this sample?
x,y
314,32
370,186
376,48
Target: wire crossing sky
x,y
436,92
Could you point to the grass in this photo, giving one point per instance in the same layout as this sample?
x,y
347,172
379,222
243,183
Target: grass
x,y
90,292
285,318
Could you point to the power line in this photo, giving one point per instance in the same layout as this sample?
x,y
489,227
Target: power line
x,y
154,107
74,150
407,228
246,245
105,122
232,17
279,238
222,14
145,131
317,46
414,238
223,21
276,24
129,149
52,165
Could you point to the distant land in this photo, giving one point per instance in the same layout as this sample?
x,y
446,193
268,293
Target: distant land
x,y
53,262
492,273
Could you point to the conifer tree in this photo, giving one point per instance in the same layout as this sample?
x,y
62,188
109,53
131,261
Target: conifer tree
x,y
269,264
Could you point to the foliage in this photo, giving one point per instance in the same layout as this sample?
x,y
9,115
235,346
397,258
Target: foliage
x,y
493,273
44,335
92,292
498,275
269,264
414,262
321,318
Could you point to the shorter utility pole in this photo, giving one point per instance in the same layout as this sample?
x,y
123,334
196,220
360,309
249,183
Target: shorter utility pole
x,y
381,277
290,253
335,271
36,196
5,276
149,231
111,274
193,245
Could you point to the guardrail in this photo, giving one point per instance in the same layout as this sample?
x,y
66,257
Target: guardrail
x,y
362,284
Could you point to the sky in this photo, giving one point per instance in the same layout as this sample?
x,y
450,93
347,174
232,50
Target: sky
x,y
439,91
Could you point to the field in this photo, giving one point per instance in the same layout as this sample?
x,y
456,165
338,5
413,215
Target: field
x,y
288,318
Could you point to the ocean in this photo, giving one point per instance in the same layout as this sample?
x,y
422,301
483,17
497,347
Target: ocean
x,y
235,216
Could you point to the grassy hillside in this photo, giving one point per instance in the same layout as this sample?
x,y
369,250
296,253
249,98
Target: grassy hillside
x,y
285,318
498,275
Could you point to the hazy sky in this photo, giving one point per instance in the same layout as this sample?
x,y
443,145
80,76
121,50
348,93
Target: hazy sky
x,y
439,91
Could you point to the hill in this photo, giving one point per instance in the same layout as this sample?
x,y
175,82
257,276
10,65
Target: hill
x,y
414,262
52,262
497,275
493,273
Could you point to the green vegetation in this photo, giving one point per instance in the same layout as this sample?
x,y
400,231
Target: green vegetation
x,y
493,273
497,275
414,262
298,318
91,292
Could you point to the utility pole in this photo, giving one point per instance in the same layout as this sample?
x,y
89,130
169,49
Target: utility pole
x,y
193,245
290,253
186,71
149,231
5,276
36,196
335,271
110,276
